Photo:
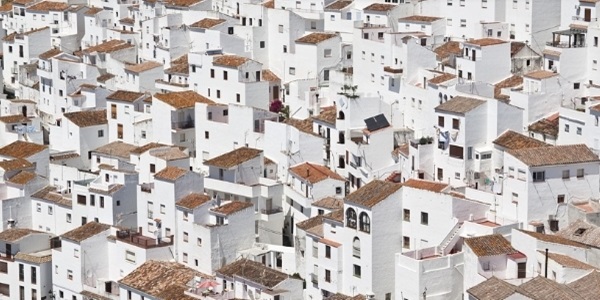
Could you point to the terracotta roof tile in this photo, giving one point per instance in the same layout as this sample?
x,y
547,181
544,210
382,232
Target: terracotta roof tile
x,y
113,188
492,289
338,5
588,286
116,148
446,50
11,37
93,10
185,99
546,289
108,47
557,155
49,194
233,61
268,75
22,2
424,19
193,200
310,223
567,261
510,82
126,96
49,6
339,296
87,118
50,53
21,149
207,23
145,66
233,158
485,42
512,140
11,235
168,153
147,147
436,187
315,37
22,178
269,4
515,47
33,258
313,173
459,105
149,279
305,126
105,77
181,3
63,155
372,193
379,7
6,7
331,203
336,215
170,173
254,272
129,21
15,164
541,74
328,115
85,232
490,245
442,78
582,232
232,207
547,126
551,52
14,119
179,66
554,239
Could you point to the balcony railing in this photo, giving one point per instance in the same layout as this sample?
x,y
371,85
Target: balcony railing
x,y
182,125
565,45
578,18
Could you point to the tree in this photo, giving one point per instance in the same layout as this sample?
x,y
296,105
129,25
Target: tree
x,y
349,91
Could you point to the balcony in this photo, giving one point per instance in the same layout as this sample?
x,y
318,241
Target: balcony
x,y
137,239
584,19
314,278
147,187
182,125
271,211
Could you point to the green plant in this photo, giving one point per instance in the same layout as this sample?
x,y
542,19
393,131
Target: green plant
x,y
349,91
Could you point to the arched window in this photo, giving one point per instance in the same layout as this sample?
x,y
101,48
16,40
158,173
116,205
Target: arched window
x,y
341,137
351,218
365,222
341,115
356,247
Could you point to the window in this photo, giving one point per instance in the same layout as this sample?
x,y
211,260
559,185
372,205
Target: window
x,y
579,131
327,276
576,85
539,176
521,174
21,272
449,2
50,210
356,271
185,237
406,242
515,198
484,4
206,135
560,199
199,242
486,156
100,133
328,251
68,218
162,209
566,174
567,127
102,202
262,44
456,152
356,247
424,218
185,257
440,121
580,173
76,253
218,94
406,215
130,256
351,218
292,71
455,124
327,53
365,222
280,27
38,207
224,75
238,98
69,274
448,22
212,73
463,23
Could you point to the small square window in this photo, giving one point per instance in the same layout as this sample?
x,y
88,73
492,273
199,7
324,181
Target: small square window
x,y
262,44
406,242
566,174
560,199
406,215
580,173
356,271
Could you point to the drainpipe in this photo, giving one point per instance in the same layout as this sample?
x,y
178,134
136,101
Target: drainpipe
x,y
546,272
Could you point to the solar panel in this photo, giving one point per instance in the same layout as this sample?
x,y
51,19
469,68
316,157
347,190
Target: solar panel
x,y
377,122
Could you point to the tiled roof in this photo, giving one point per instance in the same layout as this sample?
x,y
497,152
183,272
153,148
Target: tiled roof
x,y
379,7
557,155
179,66
184,99
512,140
339,296
126,96
50,53
6,7
336,215
269,4
232,207
116,148
105,77
93,10
168,154
450,48
515,47
547,126
144,148
442,78
485,42
181,3
541,288
49,6
233,61
305,125
87,118
130,21
328,115
433,186
32,258
14,234
162,279
85,232
207,23
567,261
23,177
254,272
313,173
145,66
315,37
233,158
21,149
113,189
490,245
22,2
329,203
193,200
372,193
310,223
541,74
337,5
14,119
510,82
15,164
581,232
459,105
49,194
554,239
492,289
170,173
63,155
588,286
268,75
108,47
415,18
